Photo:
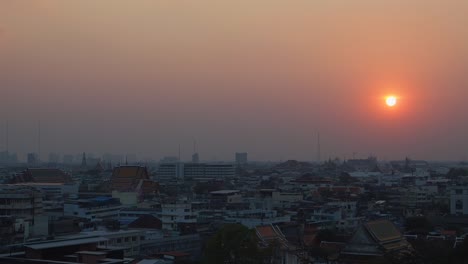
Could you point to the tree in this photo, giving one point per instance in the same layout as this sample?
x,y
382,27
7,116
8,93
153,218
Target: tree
x,y
233,244
461,252
346,179
455,173
418,224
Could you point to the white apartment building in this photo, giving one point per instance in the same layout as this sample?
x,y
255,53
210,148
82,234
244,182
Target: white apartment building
x,y
459,200
174,213
179,170
20,201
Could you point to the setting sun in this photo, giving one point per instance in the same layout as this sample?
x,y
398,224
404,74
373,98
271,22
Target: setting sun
x,y
391,101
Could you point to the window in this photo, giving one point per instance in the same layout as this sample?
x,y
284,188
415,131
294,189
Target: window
x,y
119,240
458,205
459,191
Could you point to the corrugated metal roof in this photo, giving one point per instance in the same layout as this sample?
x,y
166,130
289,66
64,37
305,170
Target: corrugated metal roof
x,y
64,243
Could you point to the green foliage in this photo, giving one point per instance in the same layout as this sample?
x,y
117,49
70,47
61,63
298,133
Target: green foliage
x,y
325,235
234,243
346,179
455,173
418,224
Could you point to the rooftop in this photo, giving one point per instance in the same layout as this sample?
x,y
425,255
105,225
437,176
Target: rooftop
x,y
225,192
65,243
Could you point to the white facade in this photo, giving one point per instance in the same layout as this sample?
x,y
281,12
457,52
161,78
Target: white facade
x,y
459,201
174,213
94,211
178,170
128,215
129,240
285,199
254,218
20,201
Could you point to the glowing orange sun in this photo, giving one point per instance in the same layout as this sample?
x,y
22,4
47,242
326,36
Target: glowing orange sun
x,y
391,101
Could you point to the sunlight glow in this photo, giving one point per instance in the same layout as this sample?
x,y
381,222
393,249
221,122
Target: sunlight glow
x,y
391,101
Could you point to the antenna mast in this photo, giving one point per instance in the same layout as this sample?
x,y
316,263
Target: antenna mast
x,y
39,140
318,147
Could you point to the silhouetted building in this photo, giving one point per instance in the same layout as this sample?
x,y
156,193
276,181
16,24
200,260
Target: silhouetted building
x,y
33,159
195,158
241,158
39,175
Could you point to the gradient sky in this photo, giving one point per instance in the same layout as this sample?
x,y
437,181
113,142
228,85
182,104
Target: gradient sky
x,y
257,76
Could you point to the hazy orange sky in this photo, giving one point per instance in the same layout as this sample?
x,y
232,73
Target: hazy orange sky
x,y
257,76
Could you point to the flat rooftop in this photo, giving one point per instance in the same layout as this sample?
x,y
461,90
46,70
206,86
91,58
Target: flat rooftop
x,y
225,192
65,243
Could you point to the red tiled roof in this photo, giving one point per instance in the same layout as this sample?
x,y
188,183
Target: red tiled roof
x,y
266,232
44,176
448,232
310,235
127,178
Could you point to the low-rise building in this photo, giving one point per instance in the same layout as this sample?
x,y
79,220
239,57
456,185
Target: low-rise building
x,y
173,214
375,239
459,200
20,201
94,209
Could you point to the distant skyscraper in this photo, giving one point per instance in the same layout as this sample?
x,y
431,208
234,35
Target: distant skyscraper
x,y
169,159
54,158
195,158
131,158
169,171
68,159
241,158
33,159
6,157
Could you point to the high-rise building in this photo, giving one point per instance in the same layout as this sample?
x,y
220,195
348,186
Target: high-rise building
x,y
195,158
6,157
33,159
168,171
68,159
54,158
241,158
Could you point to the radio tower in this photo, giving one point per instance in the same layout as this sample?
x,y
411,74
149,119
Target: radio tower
x,y
318,147
6,137
39,140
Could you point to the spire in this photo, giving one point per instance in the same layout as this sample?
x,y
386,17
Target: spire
x,y
126,160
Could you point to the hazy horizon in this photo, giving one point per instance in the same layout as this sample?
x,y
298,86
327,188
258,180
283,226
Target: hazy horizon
x,y
262,77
